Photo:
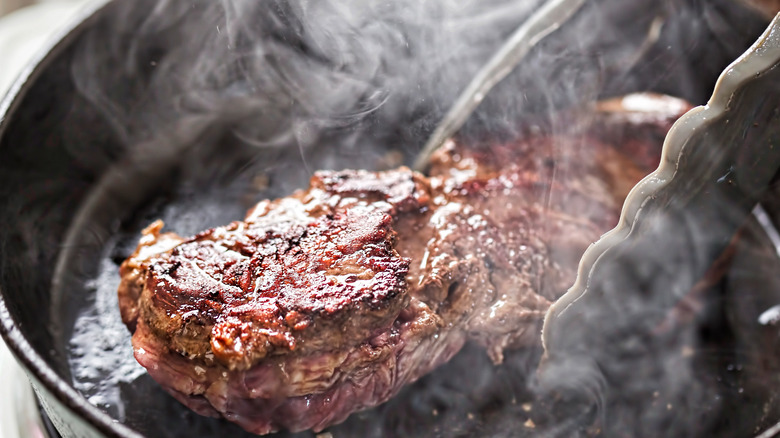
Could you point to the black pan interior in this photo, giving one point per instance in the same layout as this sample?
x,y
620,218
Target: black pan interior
x,y
77,184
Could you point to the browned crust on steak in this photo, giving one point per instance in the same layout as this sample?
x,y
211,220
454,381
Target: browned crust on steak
x,y
316,270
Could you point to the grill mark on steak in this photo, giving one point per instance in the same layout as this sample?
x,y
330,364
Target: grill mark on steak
x,y
330,300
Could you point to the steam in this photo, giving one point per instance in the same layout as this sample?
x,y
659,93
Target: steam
x,y
285,74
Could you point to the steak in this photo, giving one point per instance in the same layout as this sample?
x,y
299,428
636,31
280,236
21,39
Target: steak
x,y
328,301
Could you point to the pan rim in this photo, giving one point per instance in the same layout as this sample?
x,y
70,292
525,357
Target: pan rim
x,y
33,364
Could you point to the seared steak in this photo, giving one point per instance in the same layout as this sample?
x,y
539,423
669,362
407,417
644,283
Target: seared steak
x,y
330,300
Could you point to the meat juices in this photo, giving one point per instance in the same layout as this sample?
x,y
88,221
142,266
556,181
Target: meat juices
x,y
330,300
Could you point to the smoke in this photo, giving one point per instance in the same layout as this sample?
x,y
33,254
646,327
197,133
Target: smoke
x,y
286,74
216,93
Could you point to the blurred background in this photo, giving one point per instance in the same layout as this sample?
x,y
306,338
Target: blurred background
x,y
7,6
24,26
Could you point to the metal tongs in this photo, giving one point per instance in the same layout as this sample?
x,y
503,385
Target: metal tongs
x,y
718,162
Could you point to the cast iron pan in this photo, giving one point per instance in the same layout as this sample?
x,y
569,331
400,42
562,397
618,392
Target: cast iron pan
x,y
85,165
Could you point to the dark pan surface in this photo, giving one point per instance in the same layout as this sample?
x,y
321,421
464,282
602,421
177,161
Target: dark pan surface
x,y
76,188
